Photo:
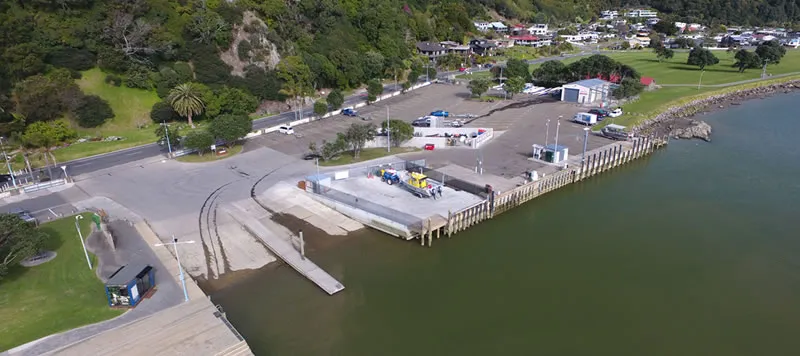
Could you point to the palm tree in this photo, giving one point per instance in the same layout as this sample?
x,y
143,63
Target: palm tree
x,y
186,100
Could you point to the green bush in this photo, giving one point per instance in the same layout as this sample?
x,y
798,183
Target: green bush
x,y
93,111
112,60
244,50
72,58
138,77
184,71
113,80
162,111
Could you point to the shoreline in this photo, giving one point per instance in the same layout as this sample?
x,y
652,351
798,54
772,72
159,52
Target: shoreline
x,y
680,120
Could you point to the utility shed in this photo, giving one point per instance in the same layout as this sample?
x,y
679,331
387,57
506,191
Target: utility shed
x,y
128,284
587,91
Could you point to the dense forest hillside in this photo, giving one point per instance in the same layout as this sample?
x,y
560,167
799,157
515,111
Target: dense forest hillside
x,y
261,49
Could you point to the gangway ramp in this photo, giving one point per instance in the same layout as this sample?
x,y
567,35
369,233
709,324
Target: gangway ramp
x,y
283,249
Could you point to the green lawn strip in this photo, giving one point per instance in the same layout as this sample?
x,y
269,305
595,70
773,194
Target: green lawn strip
x,y
210,156
53,297
366,155
655,102
131,109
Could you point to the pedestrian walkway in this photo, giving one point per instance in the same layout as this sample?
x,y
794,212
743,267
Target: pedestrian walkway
x,y
284,250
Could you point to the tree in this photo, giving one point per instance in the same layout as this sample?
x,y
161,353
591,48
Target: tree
x,y
163,130
296,77
514,85
46,135
374,89
625,45
666,27
357,136
550,74
683,42
399,131
627,88
230,128
517,68
200,140
701,57
186,100
40,98
93,111
478,86
663,53
209,28
18,240
320,107
770,52
335,99
373,64
746,59
331,149
228,100
406,86
128,34
162,111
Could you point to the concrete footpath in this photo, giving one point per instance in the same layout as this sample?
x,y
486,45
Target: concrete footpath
x,y
195,327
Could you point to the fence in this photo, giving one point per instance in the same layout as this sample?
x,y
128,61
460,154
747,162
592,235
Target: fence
x,y
595,163
45,185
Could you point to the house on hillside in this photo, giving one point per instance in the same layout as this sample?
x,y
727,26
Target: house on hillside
x,y
499,27
483,47
641,13
530,40
431,49
482,26
538,29
609,14
457,48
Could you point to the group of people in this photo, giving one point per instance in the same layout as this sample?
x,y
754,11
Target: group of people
x,y
436,190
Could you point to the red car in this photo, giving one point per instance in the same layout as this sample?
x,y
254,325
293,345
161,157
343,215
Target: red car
x,y
462,69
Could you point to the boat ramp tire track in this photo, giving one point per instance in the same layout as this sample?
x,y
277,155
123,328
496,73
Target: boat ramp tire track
x,y
207,207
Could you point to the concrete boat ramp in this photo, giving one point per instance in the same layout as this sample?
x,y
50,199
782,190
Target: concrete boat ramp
x,y
251,215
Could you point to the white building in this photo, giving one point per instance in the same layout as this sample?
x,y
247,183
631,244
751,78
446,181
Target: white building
x,y
609,14
499,27
538,29
482,26
652,21
586,91
641,13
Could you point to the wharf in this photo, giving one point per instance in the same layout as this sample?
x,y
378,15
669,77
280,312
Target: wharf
x,y
246,214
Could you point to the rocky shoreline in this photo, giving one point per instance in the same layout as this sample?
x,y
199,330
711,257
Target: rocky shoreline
x,y
679,122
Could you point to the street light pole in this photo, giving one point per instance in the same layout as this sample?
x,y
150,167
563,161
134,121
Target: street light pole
x,y
180,268
166,134
555,148
78,218
585,139
388,133
546,132
8,163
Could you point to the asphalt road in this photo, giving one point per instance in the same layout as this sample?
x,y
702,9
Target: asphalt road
x,y
108,160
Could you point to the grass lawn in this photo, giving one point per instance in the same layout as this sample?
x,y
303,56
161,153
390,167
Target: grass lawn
x,y
53,297
209,157
366,155
131,108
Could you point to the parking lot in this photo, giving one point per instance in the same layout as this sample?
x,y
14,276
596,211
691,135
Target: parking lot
x,y
518,123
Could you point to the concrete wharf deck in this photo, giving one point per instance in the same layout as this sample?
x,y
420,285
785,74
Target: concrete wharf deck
x,y
245,215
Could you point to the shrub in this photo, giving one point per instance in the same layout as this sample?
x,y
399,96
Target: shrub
x,y
320,107
208,67
138,77
263,84
162,111
200,140
93,111
111,60
72,58
244,50
113,80
184,71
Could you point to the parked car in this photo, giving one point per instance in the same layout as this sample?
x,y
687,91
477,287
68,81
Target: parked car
x,y
286,130
25,216
601,113
616,132
311,156
488,65
440,113
462,69
422,122
349,112
615,113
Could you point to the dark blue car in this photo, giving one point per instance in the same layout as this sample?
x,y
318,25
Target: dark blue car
x,y
349,112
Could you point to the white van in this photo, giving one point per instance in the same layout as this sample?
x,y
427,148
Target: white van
x,y
286,130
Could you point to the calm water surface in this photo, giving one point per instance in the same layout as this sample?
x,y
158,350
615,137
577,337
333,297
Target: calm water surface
x,y
694,251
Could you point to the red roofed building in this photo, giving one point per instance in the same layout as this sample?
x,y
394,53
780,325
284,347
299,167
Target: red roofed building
x,y
648,82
